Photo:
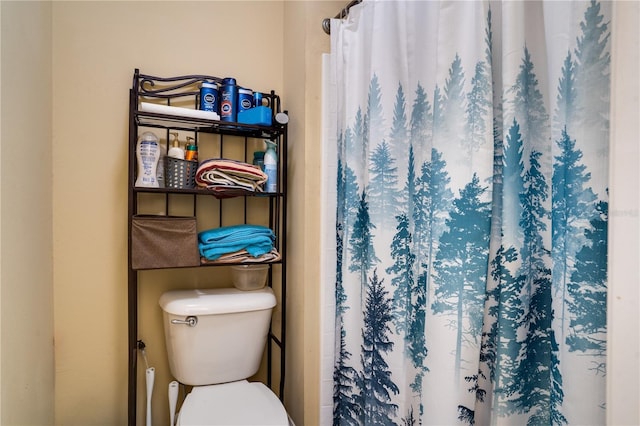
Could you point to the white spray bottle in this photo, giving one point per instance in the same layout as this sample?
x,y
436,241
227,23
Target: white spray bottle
x,y
271,167
148,154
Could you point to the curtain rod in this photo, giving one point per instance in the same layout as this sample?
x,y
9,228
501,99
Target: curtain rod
x,y
326,22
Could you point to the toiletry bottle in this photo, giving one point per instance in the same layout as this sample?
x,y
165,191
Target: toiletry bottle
x,y
191,150
176,150
257,99
228,100
271,167
148,154
245,99
160,168
209,96
258,159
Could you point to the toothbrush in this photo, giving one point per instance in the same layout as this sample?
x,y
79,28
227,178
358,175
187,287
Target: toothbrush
x,y
150,379
173,400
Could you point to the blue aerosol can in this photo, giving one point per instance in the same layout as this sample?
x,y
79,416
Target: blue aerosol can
x,y
257,99
228,100
209,96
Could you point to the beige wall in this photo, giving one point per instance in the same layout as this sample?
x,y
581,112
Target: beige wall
x,y
26,309
303,45
277,49
69,64
623,344
96,46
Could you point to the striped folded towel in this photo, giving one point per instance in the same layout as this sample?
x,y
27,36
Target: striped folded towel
x,y
222,172
243,256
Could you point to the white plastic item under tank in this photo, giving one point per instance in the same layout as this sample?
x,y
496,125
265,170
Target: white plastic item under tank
x,y
230,404
227,342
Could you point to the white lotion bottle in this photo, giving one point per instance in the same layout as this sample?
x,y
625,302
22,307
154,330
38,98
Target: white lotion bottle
x,y
148,154
176,150
271,167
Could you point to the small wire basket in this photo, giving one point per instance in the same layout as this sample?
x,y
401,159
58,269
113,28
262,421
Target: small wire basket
x,y
180,174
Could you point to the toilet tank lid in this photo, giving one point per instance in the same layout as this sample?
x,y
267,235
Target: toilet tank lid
x,y
216,301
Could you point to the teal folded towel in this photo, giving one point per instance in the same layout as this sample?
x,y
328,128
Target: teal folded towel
x,y
233,233
255,239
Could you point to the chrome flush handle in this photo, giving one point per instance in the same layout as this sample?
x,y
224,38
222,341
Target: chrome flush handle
x,y
191,321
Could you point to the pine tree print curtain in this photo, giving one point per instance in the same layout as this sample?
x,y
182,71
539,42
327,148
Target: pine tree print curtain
x,y
468,152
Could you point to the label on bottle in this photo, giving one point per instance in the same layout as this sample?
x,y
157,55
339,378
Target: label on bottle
x,y
245,99
271,170
209,97
228,100
148,153
208,101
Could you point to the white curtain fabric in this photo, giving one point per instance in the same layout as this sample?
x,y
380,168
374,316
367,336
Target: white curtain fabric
x,y
465,157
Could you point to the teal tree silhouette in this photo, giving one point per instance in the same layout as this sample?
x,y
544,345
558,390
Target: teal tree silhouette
x,y
409,190
592,76
375,115
375,378
588,290
528,104
499,348
431,205
539,382
403,276
453,107
478,105
416,346
399,133
438,126
572,208
363,256
502,346
351,200
382,190
359,148
565,113
347,185
345,410
421,122
408,302
512,184
460,265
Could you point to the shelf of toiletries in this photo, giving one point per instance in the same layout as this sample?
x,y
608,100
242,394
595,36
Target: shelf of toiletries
x,y
178,122
206,104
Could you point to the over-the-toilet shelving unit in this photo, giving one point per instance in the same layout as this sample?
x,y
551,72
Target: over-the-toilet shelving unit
x,y
185,90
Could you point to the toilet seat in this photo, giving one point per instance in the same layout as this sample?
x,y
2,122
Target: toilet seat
x,y
235,403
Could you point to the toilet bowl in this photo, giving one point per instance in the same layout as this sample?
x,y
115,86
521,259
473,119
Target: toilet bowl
x,y
215,341
236,403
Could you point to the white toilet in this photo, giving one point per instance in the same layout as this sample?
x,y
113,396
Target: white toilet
x,y
215,341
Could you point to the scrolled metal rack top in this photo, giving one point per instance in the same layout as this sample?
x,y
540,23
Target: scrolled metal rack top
x,y
184,90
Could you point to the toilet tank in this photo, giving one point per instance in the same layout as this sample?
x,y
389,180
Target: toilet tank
x,y
216,335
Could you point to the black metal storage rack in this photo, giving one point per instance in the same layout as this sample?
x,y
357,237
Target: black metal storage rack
x,y
181,90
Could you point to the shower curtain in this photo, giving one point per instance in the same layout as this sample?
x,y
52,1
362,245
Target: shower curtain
x,y
465,214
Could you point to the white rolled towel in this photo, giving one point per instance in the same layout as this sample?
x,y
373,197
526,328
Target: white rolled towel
x,y
178,111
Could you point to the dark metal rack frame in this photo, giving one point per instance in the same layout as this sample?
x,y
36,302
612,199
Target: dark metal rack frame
x,y
181,89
